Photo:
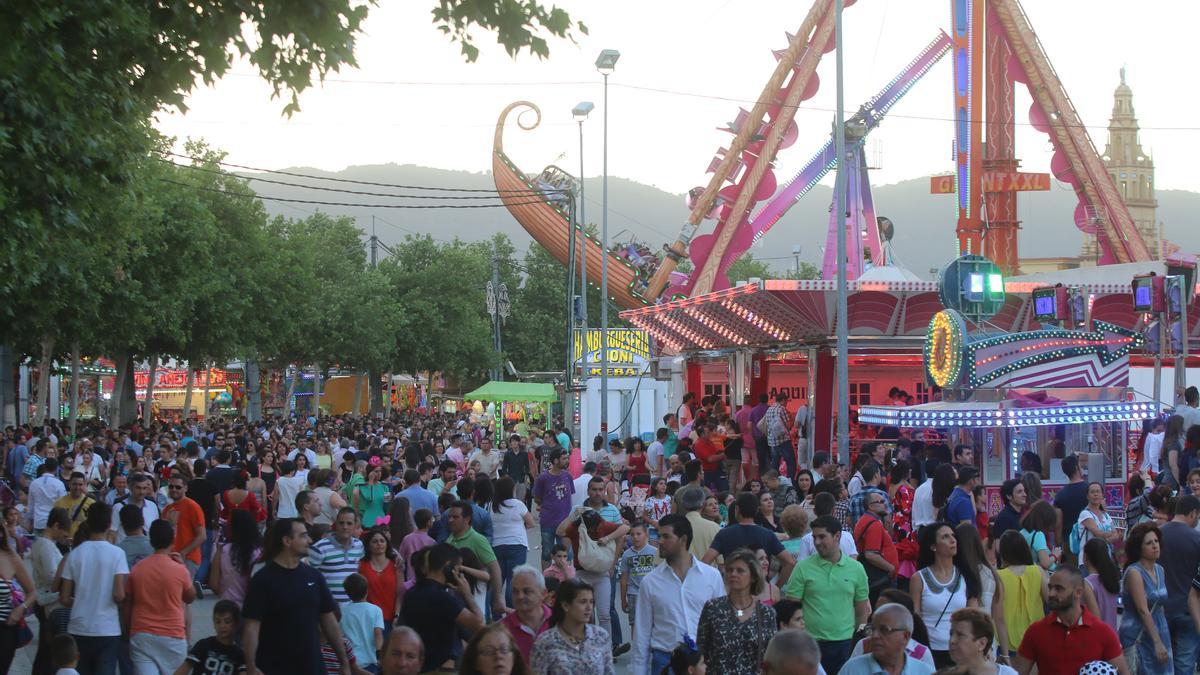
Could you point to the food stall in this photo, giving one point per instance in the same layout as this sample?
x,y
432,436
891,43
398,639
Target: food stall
x,y
521,400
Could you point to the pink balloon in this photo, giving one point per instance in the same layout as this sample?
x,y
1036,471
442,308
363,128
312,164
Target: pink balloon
x,y
1038,119
1016,70
1061,168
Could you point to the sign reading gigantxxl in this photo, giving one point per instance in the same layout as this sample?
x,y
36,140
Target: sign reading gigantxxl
x,y
628,352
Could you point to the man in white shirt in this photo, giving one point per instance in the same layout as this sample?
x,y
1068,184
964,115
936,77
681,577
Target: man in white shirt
x,y
141,491
43,492
1152,452
581,485
303,447
823,505
923,512
1190,408
94,579
288,486
671,597
489,459
654,453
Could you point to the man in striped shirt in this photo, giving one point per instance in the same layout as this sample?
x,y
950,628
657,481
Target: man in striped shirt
x,y
337,555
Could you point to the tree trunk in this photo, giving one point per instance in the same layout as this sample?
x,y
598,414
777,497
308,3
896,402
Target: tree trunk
x,y
358,390
207,388
317,391
114,397
148,408
44,374
289,402
375,392
187,395
429,388
253,391
8,389
128,394
73,419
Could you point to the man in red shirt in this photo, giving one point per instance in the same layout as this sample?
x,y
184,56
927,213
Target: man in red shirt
x,y
710,450
876,551
1069,636
186,516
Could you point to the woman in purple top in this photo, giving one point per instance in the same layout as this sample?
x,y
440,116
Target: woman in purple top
x,y
1103,582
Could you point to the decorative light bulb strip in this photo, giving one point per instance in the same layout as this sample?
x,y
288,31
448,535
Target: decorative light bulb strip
x,y
1094,411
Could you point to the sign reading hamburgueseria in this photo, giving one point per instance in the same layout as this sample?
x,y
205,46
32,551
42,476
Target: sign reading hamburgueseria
x,y
628,352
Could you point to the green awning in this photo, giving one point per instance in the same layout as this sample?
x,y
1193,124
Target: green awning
x,y
514,391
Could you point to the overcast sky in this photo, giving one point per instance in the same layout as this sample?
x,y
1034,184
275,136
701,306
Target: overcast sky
x,y
414,100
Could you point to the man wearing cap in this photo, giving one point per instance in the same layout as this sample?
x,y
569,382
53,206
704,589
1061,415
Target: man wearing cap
x,y
960,508
552,491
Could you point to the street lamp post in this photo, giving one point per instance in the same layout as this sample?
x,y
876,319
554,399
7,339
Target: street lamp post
x,y
580,113
843,374
605,63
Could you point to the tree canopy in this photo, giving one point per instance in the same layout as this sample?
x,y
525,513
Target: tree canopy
x,y
81,79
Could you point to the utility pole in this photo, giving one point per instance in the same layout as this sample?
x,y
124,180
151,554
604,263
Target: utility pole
x,y
497,305
374,245
843,338
568,389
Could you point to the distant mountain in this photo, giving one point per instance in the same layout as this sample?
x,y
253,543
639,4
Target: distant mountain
x,y
924,222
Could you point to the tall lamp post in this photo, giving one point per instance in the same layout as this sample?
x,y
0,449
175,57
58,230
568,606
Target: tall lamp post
x,y
580,113
605,63
843,374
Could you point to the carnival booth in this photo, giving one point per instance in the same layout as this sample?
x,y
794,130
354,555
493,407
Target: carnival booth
x,y
514,402
1052,392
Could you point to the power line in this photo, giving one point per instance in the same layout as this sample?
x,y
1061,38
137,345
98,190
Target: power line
x,y
893,115
366,182
347,204
433,83
329,189
690,94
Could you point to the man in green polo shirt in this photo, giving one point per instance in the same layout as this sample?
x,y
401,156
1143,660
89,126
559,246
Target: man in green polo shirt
x,y
833,589
462,535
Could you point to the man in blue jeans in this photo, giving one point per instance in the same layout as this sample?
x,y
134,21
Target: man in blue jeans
x,y
552,492
1181,546
94,579
779,436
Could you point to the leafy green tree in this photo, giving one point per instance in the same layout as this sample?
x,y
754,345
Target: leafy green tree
x,y
441,291
517,24
81,79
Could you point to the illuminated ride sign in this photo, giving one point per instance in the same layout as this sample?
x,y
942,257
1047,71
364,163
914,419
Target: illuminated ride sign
x,y
1041,358
177,378
628,352
945,345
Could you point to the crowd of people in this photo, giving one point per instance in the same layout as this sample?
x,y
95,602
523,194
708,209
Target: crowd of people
x,y
399,545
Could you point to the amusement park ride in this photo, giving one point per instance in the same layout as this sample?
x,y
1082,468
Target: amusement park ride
x,y
993,46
